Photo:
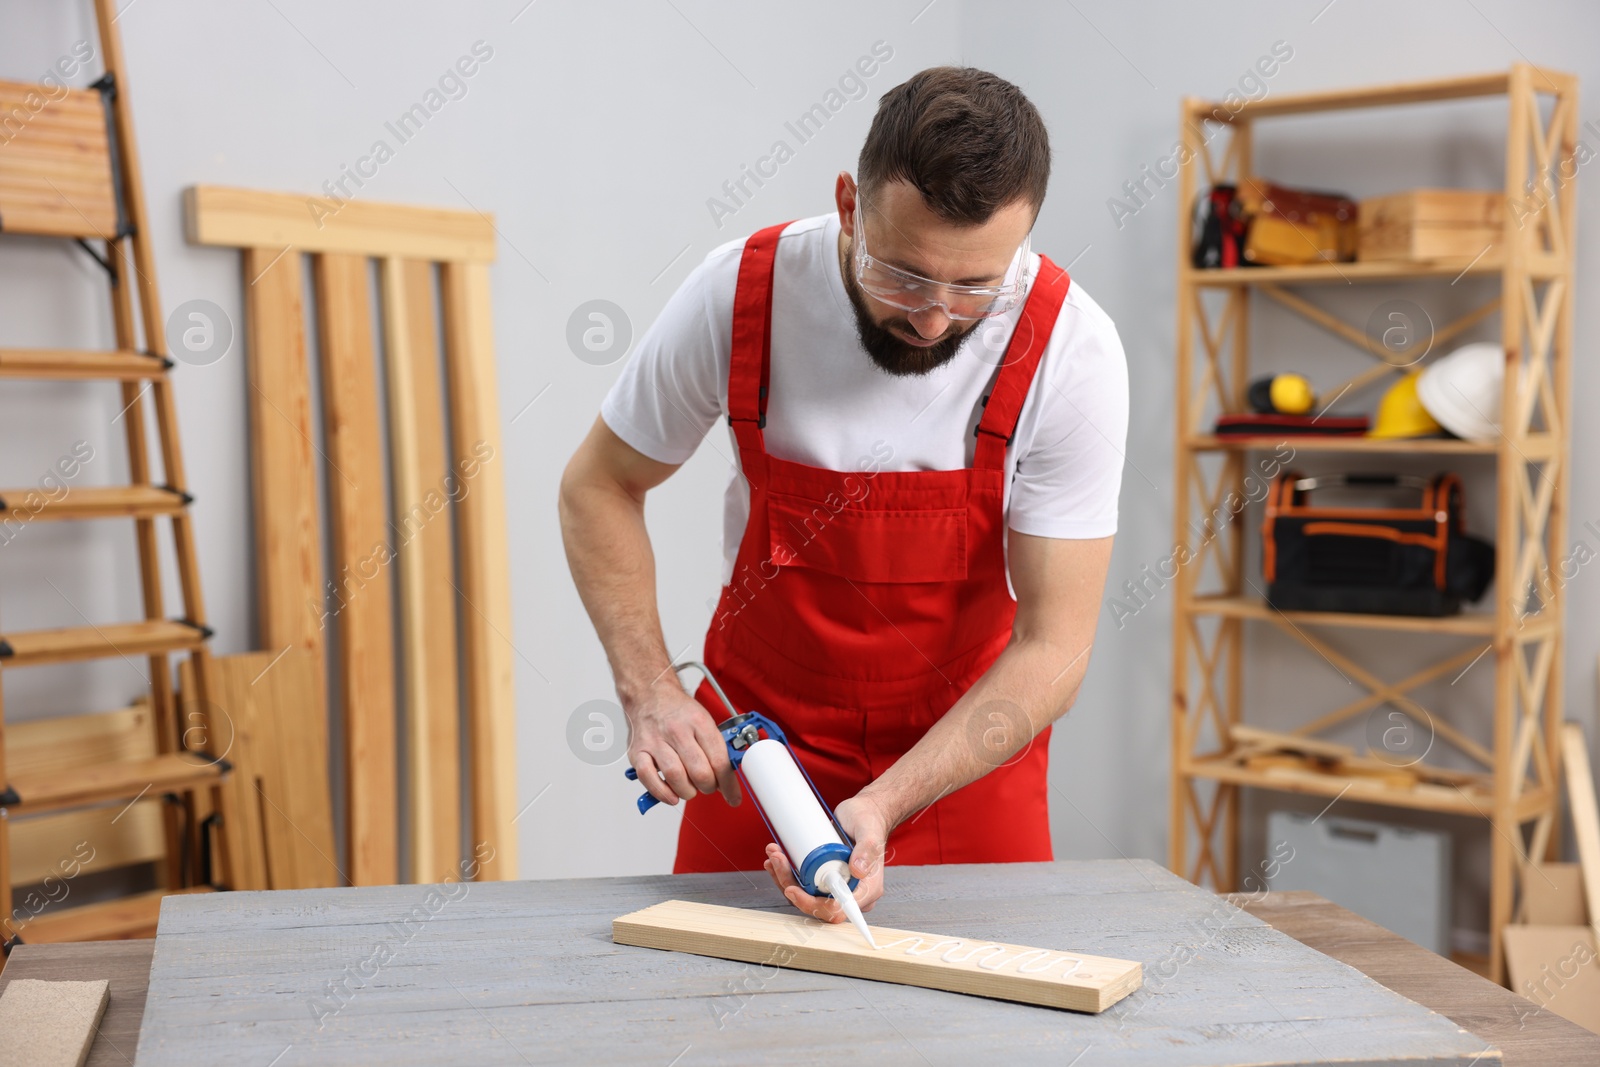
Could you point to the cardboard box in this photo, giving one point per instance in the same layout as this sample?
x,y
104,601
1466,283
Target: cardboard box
x,y
1428,224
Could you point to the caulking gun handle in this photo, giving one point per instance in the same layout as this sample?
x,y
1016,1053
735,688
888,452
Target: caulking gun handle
x,y
645,801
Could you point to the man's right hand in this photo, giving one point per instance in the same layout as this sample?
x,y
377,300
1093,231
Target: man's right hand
x,y
674,746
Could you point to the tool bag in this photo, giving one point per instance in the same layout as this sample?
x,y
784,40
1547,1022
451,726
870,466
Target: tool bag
x,y
1379,560
1293,226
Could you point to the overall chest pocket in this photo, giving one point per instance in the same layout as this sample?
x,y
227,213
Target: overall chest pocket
x,y
868,544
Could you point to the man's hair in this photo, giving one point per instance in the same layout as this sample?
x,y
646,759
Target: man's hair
x,y
969,141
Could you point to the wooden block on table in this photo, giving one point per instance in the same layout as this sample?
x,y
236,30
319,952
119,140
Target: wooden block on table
x,y
50,1024
1052,978
1557,968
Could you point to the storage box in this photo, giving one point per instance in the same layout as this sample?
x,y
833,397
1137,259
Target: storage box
x,y
1395,876
1427,224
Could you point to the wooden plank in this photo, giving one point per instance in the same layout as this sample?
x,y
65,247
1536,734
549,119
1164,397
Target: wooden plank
x,y
1053,978
269,703
283,458
1553,895
125,964
238,977
1585,817
1558,968
484,563
50,1024
1525,1035
359,557
241,218
422,482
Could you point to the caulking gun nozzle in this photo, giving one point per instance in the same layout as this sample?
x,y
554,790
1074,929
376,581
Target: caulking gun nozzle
x,y
839,889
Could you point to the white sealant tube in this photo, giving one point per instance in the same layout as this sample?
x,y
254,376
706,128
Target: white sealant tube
x,y
784,794
799,820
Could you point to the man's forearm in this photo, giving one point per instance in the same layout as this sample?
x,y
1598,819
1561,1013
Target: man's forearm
x,y
613,566
1030,685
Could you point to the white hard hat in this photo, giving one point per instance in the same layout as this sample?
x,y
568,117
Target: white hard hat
x,y
1462,390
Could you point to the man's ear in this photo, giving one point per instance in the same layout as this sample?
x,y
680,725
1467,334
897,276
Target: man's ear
x,y
845,192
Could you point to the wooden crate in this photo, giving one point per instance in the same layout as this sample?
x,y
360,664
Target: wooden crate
x,y
1428,224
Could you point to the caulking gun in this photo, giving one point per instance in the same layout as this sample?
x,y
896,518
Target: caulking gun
x,y
788,801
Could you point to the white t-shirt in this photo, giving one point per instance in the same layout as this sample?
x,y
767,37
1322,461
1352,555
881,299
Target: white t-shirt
x,y
829,405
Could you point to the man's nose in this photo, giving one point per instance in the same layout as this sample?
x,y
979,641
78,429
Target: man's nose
x,y
930,322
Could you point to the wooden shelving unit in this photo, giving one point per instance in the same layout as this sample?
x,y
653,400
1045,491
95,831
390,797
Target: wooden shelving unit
x,y
1520,637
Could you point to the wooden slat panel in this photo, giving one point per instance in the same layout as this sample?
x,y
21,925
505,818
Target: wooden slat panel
x,y
423,542
484,564
1055,978
241,218
282,456
55,163
360,540
280,767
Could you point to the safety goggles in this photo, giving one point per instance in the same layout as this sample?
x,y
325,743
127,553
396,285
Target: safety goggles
x,y
912,292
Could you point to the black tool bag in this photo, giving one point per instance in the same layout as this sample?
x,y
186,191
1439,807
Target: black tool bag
x,y
1380,560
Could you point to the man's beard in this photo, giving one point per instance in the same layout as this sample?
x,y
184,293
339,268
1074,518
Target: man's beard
x,y
888,352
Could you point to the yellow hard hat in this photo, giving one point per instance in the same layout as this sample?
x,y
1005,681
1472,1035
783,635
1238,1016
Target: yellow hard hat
x,y
1401,414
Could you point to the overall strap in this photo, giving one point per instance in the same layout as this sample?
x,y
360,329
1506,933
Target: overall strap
x,y
750,357
1003,406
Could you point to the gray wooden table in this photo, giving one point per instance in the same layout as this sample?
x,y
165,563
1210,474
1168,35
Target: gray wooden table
x,y
525,972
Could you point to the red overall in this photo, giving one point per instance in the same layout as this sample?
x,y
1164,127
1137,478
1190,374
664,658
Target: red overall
x,y
864,604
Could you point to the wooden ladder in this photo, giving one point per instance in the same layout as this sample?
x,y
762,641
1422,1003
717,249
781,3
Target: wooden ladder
x,y
69,169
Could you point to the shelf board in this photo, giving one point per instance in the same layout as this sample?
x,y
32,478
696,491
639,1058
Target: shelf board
x,y
1420,92
1540,267
1342,272
1478,803
1337,443
1472,623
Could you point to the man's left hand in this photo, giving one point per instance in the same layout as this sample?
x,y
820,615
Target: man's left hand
x,y
868,828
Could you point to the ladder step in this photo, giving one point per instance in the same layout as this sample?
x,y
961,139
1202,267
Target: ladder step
x,y
32,647
97,502
55,163
111,920
118,780
63,364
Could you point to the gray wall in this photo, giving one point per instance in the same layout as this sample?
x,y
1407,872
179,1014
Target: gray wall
x,y
596,135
